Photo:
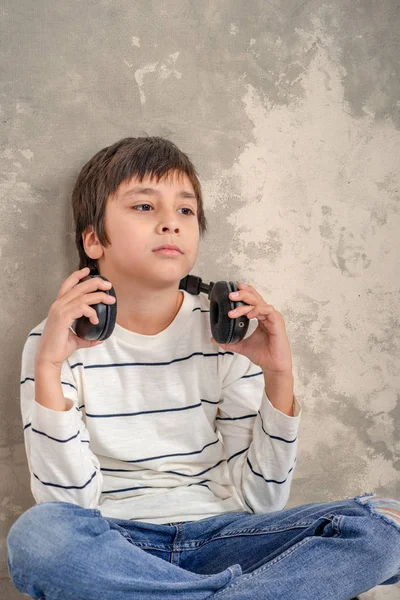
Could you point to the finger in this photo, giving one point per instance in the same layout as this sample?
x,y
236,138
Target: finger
x,y
246,291
72,281
271,320
264,313
241,310
88,287
261,310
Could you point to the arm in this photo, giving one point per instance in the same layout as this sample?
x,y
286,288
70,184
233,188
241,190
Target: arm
x,y
260,440
57,443
48,388
279,390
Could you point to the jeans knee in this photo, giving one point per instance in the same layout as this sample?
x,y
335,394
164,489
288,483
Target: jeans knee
x,y
31,534
41,541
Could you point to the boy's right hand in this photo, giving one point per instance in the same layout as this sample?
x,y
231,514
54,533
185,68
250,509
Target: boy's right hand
x,y
58,341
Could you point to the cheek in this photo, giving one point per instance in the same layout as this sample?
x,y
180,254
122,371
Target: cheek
x,y
125,231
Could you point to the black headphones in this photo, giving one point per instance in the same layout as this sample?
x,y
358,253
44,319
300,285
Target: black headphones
x,y
224,329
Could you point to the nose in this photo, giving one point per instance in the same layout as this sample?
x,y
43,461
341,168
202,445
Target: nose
x,y
167,228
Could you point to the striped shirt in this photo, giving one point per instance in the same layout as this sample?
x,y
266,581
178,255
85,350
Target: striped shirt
x,y
160,428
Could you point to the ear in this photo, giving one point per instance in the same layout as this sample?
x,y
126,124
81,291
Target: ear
x,y
91,243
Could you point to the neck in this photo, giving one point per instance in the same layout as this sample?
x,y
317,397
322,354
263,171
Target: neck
x,y
147,315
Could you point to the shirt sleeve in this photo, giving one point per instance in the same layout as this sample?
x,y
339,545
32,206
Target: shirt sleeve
x,y
61,465
260,441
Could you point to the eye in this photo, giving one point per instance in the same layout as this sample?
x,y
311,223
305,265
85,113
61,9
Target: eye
x,y
145,204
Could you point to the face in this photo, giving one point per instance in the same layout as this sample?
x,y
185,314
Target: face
x,y
143,215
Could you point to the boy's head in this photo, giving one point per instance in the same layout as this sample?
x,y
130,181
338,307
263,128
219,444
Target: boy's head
x,y
114,229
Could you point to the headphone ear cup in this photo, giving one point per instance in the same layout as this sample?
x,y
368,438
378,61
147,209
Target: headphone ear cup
x,y
110,316
106,313
224,329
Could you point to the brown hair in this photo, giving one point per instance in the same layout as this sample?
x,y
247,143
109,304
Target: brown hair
x,y
107,169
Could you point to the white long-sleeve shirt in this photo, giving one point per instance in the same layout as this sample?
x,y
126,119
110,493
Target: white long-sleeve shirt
x,y
161,428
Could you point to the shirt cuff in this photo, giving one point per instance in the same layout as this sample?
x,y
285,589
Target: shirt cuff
x,y
279,418
59,424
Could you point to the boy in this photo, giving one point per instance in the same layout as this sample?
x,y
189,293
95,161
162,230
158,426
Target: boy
x,y
160,461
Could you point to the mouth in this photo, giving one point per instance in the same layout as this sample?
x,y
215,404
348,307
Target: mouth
x,y
168,252
169,248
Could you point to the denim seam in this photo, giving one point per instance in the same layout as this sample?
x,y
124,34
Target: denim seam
x,y
244,578
297,525
176,542
179,546
195,544
144,546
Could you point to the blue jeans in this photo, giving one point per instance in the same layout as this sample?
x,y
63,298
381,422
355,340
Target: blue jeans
x,y
327,550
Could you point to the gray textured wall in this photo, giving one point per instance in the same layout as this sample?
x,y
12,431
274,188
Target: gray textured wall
x,y
290,110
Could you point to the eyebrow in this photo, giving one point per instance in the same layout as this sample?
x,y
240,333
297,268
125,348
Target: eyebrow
x,y
153,192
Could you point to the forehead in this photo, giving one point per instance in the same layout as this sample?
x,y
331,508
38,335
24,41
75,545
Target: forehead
x,y
173,180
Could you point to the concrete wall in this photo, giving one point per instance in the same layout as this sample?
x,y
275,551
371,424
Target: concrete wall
x,y
290,111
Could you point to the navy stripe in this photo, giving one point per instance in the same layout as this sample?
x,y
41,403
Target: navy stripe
x,y
198,483
140,487
63,382
252,374
243,494
203,484
30,425
143,412
71,487
255,473
139,460
275,437
152,487
235,418
131,461
196,474
148,364
246,502
269,480
67,487
80,487
237,453
151,364
55,439
100,366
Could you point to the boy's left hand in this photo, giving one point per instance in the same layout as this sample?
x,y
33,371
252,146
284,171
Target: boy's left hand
x,y
268,346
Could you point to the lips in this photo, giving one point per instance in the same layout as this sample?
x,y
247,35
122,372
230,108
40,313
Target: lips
x,y
168,247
